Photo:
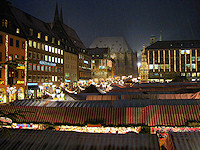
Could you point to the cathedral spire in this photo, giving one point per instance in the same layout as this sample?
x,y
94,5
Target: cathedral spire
x,y
56,15
61,15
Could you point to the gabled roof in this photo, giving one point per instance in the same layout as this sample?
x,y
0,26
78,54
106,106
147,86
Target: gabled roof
x,y
73,36
180,44
27,21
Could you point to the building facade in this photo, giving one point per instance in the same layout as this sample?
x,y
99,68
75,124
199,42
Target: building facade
x,y
102,64
120,51
170,59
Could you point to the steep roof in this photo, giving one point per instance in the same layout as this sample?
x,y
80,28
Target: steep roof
x,y
73,36
180,44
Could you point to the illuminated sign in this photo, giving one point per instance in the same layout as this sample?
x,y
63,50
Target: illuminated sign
x,y
32,84
20,67
50,83
20,82
1,82
46,63
67,80
85,61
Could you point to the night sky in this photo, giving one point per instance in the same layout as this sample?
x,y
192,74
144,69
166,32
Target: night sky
x,y
136,20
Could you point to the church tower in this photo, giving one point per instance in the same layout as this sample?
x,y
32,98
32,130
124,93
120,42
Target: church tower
x,y
144,73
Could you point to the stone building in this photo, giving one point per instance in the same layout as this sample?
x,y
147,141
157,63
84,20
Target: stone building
x,y
125,58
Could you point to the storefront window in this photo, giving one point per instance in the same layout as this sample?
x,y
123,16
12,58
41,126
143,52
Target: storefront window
x,y
46,68
49,68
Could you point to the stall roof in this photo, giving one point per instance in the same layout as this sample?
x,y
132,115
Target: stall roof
x,y
30,139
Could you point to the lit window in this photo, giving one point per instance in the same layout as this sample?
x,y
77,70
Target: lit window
x,y
17,31
38,67
58,60
52,49
151,66
50,58
52,69
49,68
39,36
16,56
53,40
49,48
58,42
38,45
97,55
55,59
103,67
46,58
42,46
46,47
61,61
4,23
99,67
56,50
46,38
34,66
52,78
46,68
34,44
29,66
30,43
42,68
56,78
56,69
61,52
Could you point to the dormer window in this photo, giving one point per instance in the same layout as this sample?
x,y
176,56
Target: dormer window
x,y
17,30
4,23
46,38
31,32
53,40
39,35
58,42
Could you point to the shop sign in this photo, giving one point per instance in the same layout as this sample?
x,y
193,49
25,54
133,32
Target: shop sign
x,y
46,63
20,82
67,80
32,84
1,82
21,66
50,83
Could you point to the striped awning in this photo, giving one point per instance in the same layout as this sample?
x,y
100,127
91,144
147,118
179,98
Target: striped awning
x,y
153,115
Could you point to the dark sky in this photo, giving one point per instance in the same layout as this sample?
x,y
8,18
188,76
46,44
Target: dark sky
x,y
136,20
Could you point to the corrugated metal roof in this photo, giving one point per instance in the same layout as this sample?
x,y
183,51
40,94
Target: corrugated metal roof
x,y
30,139
183,141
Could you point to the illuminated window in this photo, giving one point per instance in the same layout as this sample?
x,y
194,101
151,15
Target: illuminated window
x,y
34,44
198,74
55,59
46,58
16,56
34,66
30,43
61,61
52,49
97,55
193,74
99,67
56,78
17,30
49,68
52,58
42,46
58,42
39,35
46,68
38,67
56,50
151,66
4,23
52,78
42,68
46,47
53,40
49,48
56,69
103,67
46,38
58,60
61,52
52,69
38,45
